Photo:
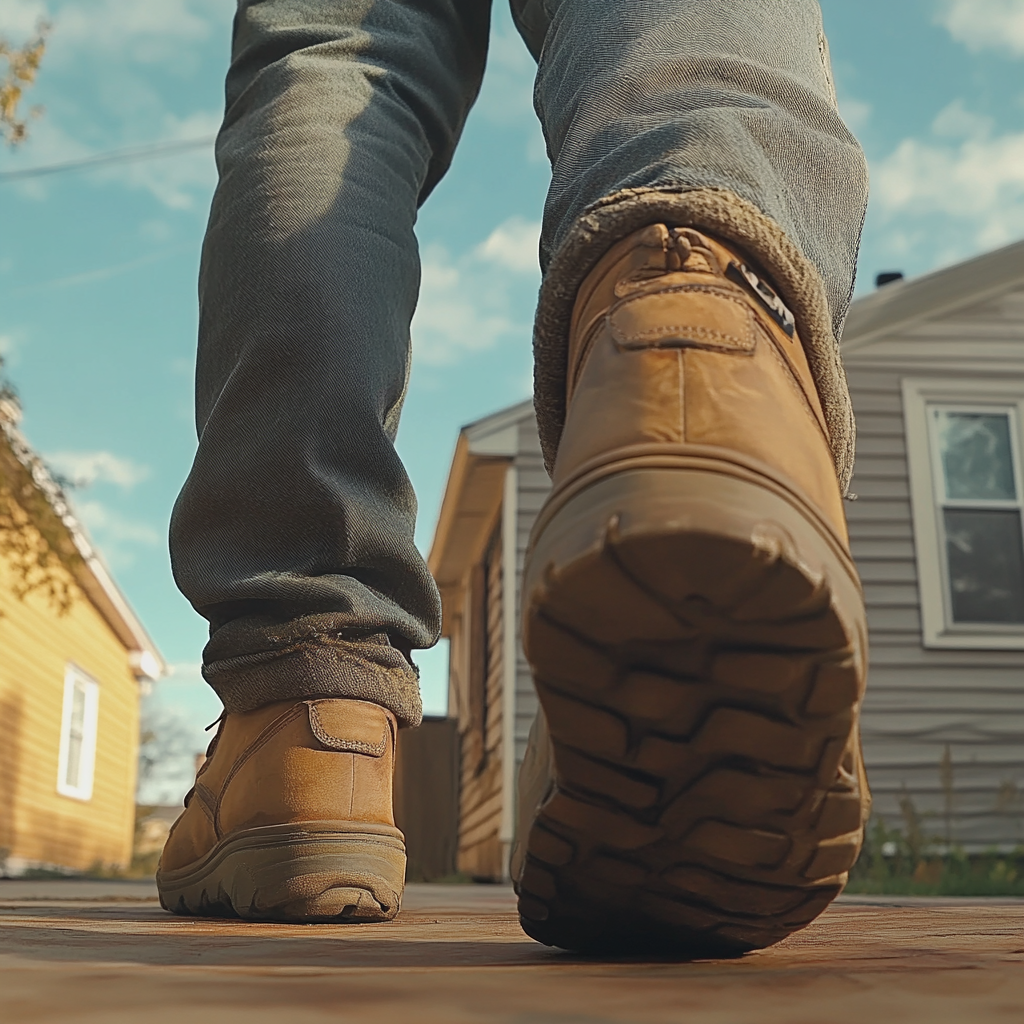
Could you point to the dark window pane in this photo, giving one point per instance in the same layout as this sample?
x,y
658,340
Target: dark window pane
x,y
986,565
977,455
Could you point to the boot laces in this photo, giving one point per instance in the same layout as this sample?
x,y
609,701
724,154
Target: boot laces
x,y
218,722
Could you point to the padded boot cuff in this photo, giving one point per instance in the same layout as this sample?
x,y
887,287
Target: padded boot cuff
x,y
306,658
725,215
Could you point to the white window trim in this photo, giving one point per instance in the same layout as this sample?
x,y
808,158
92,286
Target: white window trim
x,y
87,764
938,629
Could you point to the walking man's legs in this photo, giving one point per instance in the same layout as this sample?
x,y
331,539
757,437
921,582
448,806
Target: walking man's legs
x,y
686,137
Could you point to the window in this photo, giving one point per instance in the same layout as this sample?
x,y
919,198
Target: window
x,y
78,735
964,453
979,494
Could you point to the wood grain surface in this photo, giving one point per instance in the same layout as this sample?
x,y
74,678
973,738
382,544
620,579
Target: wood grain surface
x,y
106,953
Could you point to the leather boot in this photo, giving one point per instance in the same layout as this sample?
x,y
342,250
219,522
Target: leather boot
x,y
693,620
291,818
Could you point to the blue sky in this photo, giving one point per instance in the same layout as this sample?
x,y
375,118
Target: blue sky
x,y
98,268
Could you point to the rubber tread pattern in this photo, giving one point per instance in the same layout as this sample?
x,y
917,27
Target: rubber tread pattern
x,y
702,701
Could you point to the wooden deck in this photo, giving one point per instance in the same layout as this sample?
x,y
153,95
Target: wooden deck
x,y
105,952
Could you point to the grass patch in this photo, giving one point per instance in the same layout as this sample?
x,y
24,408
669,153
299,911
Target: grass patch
x,y
909,863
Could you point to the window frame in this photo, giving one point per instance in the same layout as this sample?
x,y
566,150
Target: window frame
x,y
73,678
928,500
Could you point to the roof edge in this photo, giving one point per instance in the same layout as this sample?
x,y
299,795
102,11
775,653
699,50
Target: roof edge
x,y
483,439
92,576
497,421
457,472
905,302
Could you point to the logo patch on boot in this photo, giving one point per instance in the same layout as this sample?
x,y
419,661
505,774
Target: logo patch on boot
x,y
741,274
349,726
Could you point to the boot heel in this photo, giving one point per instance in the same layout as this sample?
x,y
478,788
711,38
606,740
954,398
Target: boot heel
x,y
697,637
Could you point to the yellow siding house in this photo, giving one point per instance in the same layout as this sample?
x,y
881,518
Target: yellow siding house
x,y
73,661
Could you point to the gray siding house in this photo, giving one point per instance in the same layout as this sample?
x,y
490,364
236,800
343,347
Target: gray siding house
x,y
936,370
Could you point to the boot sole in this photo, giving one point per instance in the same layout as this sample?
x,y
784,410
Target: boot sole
x,y
317,872
698,642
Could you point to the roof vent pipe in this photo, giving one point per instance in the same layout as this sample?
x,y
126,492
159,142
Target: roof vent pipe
x,y
887,277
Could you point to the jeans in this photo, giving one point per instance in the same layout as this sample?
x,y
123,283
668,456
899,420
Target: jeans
x,y
293,534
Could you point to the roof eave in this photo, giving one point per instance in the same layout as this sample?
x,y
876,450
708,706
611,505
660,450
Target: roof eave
x,y
932,295
471,500
90,573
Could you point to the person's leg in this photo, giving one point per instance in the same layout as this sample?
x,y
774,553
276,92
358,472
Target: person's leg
x,y
294,532
691,612
720,116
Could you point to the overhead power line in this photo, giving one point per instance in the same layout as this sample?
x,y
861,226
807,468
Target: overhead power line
x,y
117,156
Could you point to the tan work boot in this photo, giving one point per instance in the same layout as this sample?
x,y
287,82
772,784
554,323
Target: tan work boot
x,y
291,818
694,623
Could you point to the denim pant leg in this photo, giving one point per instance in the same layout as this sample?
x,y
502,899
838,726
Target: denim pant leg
x,y
293,534
716,115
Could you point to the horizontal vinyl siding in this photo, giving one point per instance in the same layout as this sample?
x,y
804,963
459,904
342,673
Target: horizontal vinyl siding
x,y
495,660
534,486
919,702
479,850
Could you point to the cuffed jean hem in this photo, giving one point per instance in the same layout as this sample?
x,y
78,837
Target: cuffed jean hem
x,y
365,669
721,213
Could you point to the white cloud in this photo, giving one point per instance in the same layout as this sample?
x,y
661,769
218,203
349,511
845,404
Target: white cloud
x,y
100,92
10,348
473,301
144,32
513,245
855,113
19,18
116,536
140,31
186,671
967,176
506,98
957,122
87,468
507,93
985,24
48,143
156,230
176,180
455,316
105,522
